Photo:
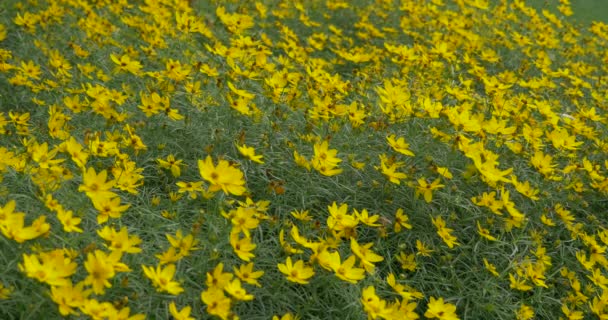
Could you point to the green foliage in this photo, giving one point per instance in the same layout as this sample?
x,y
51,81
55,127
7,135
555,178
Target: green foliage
x,y
314,159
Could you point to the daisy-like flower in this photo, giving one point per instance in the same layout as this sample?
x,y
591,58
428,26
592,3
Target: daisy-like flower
x,y
96,186
437,308
223,177
249,152
296,272
163,279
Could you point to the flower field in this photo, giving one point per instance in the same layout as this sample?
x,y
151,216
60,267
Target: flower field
x,y
413,159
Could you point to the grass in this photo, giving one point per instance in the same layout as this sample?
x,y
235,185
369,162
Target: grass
x,y
590,10
460,143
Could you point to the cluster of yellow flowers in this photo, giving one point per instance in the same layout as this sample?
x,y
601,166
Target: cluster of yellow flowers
x,y
444,138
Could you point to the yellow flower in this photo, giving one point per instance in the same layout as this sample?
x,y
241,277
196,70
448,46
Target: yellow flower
x,y
364,252
572,314
96,186
217,302
242,246
365,218
422,249
244,219
389,169
124,63
120,240
408,261
53,268
109,208
296,272
224,176
401,221
427,189
484,232
437,308
518,284
100,269
235,289
525,312
183,244
68,221
249,152
246,274
325,160
218,278
343,270
183,314
193,188
490,267
399,145
69,297
287,316
302,215
444,232
162,279
373,305
172,164
5,292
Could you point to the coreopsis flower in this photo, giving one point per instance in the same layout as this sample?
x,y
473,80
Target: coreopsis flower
x,y
12,224
438,309
365,253
109,208
399,145
77,152
296,272
572,314
235,289
218,279
518,283
484,232
408,261
444,232
302,215
490,267
248,275
217,302
406,292
101,269
162,279
224,176
524,312
120,240
192,188
96,186
69,297
401,221
172,164
53,268
325,160
243,220
183,314
68,221
366,219
287,316
345,270
389,169
339,220
249,152
183,244
243,247
373,305
426,189
5,292
125,63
